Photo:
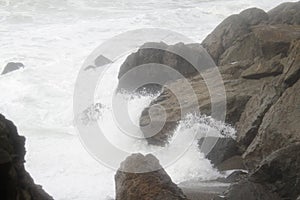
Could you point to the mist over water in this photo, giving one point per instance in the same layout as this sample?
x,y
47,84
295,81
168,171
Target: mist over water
x,y
52,39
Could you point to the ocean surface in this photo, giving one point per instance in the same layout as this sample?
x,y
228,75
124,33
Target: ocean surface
x,y
52,39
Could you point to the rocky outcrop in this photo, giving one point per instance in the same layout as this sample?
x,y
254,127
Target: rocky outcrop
x,y
149,182
12,66
258,56
16,183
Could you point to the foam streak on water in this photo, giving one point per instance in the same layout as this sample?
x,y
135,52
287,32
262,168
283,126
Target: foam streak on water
x,y
52,39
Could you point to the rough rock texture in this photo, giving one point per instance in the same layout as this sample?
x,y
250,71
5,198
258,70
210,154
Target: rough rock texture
x,y
146,64
224,149
280,127
12,66
16,183
152,185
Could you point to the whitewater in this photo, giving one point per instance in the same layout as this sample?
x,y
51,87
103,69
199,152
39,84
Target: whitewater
x,y
52,39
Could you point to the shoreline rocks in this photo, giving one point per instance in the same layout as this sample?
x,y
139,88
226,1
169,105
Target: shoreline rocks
x,y
258,56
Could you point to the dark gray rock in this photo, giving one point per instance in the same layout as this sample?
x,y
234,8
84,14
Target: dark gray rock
x,y
15,182
12,66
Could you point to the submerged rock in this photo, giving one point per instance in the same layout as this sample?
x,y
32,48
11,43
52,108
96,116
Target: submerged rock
x,y
148,185
12,66
15,183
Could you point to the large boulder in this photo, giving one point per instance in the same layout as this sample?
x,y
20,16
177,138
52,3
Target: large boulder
x,y
16,183
12,66
280,126
149,182
286,13
231,29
